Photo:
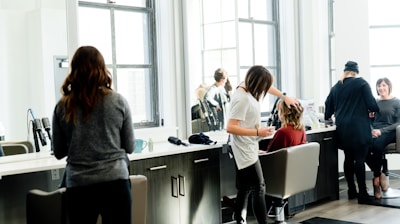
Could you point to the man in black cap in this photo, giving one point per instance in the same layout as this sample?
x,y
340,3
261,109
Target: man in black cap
x,y
350,100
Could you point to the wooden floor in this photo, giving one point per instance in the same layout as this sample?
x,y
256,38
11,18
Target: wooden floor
x,y
349,210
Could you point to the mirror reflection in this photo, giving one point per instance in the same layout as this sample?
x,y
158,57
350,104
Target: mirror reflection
x,y
33,39
211,111
232,42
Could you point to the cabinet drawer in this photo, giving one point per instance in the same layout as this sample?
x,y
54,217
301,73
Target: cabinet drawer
x,y
148,166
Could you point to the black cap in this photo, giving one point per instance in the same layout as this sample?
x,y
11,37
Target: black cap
x,y
351,66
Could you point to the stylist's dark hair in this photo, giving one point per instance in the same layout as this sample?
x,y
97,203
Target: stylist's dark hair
x,y
258,81
88,81
387,81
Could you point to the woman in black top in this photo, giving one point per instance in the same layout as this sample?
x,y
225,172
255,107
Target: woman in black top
x,y
351,100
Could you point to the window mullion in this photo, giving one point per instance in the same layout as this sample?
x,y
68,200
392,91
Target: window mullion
x,y
113,48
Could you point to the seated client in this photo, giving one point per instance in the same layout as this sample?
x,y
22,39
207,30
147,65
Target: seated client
x,y
292,130
383,132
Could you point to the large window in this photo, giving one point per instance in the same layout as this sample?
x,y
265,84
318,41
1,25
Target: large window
x,y
384,20
124,33
237,35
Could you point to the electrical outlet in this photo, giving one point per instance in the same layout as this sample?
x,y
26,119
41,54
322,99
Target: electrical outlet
x,y
55,174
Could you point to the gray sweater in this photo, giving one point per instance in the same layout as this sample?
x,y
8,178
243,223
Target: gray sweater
x,y
388,117
97,149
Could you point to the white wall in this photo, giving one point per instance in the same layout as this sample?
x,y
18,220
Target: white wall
x,y
31,33
314,48
352,35
14,64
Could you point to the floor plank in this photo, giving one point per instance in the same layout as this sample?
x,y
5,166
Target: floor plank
x,y
349,210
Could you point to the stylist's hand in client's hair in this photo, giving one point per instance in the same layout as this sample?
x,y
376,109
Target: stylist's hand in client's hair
x,y
290,101
266,131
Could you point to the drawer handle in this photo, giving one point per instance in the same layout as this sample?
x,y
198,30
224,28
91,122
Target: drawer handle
x,y
181,185
158,167
326,139
201,160
174,187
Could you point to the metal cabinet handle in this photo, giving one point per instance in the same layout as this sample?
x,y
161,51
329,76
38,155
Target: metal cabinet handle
x,y
201,160
328,138
158,167
181,185
174,187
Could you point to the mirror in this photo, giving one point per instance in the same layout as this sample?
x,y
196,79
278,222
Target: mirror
x,y
233,40
33,35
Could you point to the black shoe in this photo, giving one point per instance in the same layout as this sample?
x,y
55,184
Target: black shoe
x,y
352,194
366,199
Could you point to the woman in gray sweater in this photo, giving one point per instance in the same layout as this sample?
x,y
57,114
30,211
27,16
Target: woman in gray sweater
x,y
92,127
384,132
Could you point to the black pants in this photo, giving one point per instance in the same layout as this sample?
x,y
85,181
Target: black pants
x,y
250,182
112,200
375,155
354,163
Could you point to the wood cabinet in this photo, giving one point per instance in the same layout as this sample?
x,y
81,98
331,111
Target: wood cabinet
x,y
328,173
182,188
203,188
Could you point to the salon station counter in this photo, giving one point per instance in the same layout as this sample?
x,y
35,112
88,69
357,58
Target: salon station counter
x,y
185,183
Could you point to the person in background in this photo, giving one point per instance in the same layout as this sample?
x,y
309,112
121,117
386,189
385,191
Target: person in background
x,y
383,132
243,125
292,130
351,100
92,127
216,97
228,90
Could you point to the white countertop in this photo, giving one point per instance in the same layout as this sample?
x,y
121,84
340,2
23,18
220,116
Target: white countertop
x,y
42,161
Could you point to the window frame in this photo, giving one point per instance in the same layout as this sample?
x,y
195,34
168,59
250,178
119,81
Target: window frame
x,y
153,111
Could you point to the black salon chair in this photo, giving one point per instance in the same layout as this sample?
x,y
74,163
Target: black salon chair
x,y
290,171
45,207
392,148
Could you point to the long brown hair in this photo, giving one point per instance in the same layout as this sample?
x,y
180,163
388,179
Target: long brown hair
x,y
88,81
258,81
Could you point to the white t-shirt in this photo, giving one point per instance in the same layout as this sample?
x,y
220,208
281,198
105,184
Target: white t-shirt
x,y
246,109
